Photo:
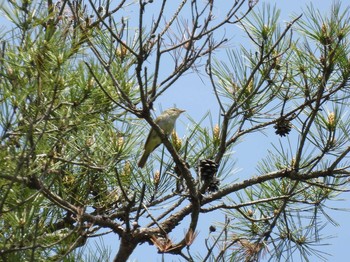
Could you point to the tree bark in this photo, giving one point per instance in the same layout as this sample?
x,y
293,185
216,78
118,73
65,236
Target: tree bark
x,y
127,246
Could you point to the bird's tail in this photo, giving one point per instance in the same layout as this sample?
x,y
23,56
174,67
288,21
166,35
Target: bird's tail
x,y
143,159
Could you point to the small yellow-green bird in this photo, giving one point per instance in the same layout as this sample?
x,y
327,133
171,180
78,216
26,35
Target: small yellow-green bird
x,y
166,121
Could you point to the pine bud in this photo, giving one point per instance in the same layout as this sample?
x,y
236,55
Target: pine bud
x,y
21,222
156,179
90,141
235,87
276,60
9,71
331,124
250,213
341,34
324,29
216,134
127,168
325,38
176,141
292,163
126,174
265,32
250,87
121,52
68,180
90,83
120,143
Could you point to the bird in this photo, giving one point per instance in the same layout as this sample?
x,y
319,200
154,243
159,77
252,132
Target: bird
x,y
166,121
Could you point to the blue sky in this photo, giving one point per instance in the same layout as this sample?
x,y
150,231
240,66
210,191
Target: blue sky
x,y
197,101
195,95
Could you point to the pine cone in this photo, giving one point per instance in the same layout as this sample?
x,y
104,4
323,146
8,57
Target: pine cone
x,y
207,169
282,126
213,185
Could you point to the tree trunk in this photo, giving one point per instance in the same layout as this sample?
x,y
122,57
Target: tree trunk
x,y
126,248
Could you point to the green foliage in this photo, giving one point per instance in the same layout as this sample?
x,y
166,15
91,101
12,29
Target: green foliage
x,y
58,126
307,83
75,78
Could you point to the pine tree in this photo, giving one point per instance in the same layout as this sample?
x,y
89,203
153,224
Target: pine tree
x,y
78,85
